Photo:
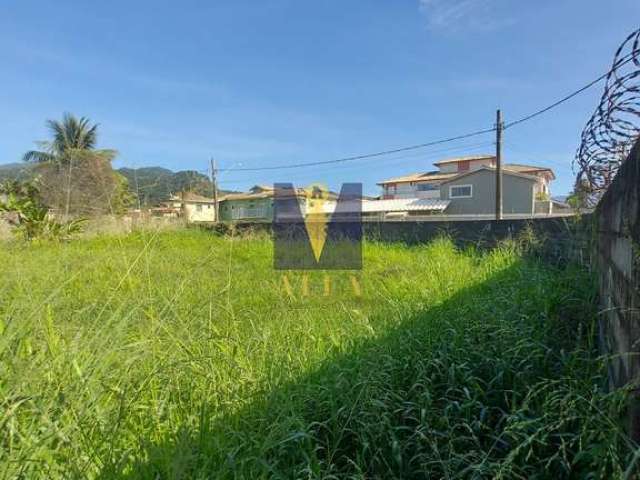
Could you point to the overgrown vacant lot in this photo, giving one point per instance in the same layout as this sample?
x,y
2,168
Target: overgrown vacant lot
x,y
181,355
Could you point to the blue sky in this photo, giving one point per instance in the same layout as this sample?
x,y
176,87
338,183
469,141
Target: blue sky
x,y
259,83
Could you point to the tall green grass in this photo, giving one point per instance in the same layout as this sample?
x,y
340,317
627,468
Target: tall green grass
x,y
182,355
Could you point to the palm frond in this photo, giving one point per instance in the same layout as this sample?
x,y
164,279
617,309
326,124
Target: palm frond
x,y
36,156
71,137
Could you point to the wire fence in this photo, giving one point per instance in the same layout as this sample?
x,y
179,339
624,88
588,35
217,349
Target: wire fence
x,y
611,131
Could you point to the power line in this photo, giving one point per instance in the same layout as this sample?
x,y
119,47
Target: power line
x,y
571,95
394,160
564,99
362,157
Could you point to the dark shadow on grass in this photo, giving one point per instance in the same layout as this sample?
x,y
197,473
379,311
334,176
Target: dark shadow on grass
x,y
455,390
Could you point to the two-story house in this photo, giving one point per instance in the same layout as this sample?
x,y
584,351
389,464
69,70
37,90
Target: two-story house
x,y
468,184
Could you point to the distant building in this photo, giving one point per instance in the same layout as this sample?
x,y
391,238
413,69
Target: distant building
x,y
468,185
474,193
192,207
257,204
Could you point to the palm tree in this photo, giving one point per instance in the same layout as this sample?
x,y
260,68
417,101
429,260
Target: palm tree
x,y
71,135
73,145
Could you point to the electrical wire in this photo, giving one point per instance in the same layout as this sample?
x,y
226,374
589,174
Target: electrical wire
x,y
362,157
571,95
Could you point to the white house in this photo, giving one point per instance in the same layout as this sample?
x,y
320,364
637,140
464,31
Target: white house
x,y
191,206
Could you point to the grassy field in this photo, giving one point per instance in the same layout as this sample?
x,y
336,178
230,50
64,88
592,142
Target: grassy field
x,y
185,355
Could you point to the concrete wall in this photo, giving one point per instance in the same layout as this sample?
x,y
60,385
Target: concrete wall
x,y
544,206
517,194
562,239
618,260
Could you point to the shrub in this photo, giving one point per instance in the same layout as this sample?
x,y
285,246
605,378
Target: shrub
x,y
30,218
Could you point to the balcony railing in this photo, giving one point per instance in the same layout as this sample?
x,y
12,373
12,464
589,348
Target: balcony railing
x,y
242,212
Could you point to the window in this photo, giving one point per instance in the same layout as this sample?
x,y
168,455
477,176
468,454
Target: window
x,y
426,187
460,191
199,207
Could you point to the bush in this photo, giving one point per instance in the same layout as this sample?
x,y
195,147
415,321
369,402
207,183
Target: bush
x,y
30,218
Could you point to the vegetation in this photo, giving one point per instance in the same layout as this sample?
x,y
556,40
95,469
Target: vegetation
x,y
581,197
147,186
71,135
29,217
153,185
542,197
15,171
185,356
76,177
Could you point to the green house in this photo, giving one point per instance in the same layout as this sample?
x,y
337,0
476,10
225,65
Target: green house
x,y
257,205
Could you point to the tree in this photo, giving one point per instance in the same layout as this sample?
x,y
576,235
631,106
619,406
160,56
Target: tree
x,y
69,136
77,178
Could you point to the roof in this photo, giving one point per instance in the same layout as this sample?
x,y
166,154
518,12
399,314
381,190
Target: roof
x,y
405,205
258,188
437,176
395,205
518,167
258,195
465,159
491,169
419,177
262,191
190,197
247,196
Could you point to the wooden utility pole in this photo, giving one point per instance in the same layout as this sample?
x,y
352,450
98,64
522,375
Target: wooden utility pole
x,y
183,208
499,127
214,185
68,200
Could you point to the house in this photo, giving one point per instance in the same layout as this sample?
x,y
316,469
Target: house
x,y
257,204
427,185
468,185
474,192
191,206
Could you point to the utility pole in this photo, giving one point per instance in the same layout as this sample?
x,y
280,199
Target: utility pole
x,y
214,185
68,200
499,127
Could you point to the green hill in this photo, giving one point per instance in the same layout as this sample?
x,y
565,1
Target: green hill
x,y
153,185
14,171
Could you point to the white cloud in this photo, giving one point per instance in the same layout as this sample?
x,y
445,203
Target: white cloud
x,y
456,15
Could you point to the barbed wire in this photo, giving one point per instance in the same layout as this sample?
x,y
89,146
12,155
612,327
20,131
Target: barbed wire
x,y
614,126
